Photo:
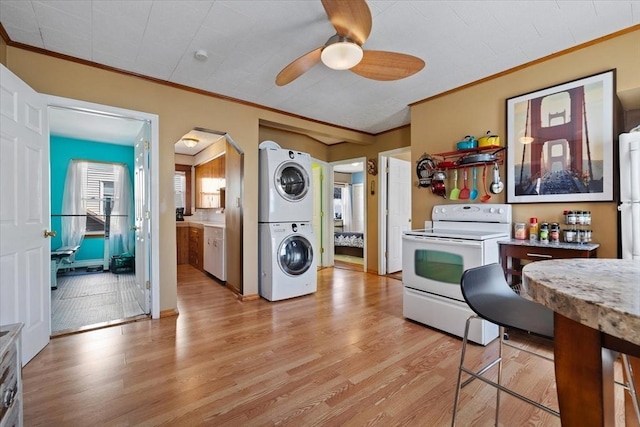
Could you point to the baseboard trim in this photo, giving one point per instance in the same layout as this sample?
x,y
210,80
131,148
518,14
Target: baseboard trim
x,y
172,312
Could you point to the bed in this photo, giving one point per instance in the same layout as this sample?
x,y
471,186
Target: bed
x,y
348,243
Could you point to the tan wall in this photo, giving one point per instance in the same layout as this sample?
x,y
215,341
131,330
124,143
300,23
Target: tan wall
x,y
3,52
387,141
294,141
179,111
438,123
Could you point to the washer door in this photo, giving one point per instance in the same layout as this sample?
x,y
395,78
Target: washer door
x,y
295,255
292,181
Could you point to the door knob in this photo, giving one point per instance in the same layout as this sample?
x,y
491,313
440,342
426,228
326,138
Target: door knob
x,y
133,228
48,233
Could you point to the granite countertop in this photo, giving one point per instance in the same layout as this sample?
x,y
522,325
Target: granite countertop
x,y
199,224
559,245
603,294
12,331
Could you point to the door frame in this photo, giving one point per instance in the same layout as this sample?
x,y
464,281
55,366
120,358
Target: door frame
x,y
383,169
323,259
154,167
330,229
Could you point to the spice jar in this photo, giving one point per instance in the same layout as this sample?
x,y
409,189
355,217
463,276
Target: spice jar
x,y
554,234
569,235
520,230
544,232
533,229
572,218
580,217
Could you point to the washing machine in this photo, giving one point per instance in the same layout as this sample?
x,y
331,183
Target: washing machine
x,y
287,263
285,186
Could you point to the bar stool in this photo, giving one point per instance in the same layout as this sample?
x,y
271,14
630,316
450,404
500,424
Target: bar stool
x,y
488,294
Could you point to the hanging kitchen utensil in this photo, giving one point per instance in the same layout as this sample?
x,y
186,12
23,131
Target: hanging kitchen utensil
x,y
474,189
464,193
425,167
438,188
480,157
455,193
486,197
497,185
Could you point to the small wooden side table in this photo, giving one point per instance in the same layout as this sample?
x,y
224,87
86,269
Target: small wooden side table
x,y
514,251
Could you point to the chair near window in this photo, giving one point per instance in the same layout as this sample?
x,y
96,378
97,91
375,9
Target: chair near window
x,y
488,294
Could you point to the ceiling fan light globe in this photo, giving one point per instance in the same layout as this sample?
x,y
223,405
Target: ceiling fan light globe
x,y
341,55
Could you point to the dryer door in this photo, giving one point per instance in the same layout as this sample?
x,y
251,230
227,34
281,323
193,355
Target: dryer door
x,y
292,181
295,255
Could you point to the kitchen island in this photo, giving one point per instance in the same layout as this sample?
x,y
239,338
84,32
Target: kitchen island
x,y
597,313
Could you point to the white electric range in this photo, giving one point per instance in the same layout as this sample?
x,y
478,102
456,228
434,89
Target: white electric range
x,y
457,238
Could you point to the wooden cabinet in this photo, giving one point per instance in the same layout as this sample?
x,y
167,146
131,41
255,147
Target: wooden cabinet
x,y
210,183
515,253
196,247
182,243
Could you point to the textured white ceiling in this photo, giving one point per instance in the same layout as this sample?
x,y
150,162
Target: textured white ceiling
x,y
249,42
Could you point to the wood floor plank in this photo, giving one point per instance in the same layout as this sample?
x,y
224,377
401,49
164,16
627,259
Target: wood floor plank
x,y
344,356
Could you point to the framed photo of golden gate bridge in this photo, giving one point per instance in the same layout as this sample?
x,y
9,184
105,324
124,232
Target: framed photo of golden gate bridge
x,y
560,142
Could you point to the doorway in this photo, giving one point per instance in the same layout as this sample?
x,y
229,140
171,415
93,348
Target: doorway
x,y
106,280
348,214
394,208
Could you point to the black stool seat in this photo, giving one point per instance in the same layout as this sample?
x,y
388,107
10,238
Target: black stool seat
x,y
488,294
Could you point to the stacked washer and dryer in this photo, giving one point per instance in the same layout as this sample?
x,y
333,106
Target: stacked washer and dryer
x,y
287,263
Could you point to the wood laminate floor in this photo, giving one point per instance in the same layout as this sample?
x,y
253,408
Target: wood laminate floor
x,y
344,356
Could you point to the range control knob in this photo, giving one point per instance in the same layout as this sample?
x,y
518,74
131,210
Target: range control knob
x,y
500,211
492,210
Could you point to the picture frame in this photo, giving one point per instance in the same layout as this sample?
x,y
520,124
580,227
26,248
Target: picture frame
x,y
560,142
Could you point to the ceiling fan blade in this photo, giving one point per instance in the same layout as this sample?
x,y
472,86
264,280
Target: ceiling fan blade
x,y
350,18
385,66
298,67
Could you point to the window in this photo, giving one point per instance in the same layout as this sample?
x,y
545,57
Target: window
x,y
184,170
180,188
99,195
337,201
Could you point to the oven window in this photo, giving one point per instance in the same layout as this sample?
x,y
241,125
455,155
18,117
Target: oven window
x,y
440,266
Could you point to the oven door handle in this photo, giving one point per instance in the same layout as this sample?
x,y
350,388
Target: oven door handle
x,y
443,240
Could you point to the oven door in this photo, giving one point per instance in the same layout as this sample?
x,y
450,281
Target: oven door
x,y
435,265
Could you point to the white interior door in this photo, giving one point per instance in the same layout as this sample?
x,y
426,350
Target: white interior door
x,y
142,226
399,210
25,252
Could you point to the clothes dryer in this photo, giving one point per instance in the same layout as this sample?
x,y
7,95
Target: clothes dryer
x,y
285,186
287,263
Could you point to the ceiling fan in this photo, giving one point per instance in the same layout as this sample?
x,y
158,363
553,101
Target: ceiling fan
x,y
343,51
